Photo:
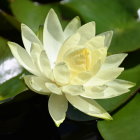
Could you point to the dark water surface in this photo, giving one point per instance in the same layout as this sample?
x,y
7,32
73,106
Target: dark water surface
x,y
30,119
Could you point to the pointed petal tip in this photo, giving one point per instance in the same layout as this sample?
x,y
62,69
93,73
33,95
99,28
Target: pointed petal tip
x,y
10,43
58,123
132,84
23,26
90,23
51,11
104,116
107,117
77,17
57,107
125,54
111,31
122,54
93,22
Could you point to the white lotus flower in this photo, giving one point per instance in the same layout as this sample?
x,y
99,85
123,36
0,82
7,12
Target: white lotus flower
x,y
71,66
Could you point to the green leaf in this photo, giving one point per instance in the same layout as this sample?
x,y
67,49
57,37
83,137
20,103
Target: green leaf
x,y
32,14
10,19
110,15
125,124
126,40
7,22
99,11
11,88
9,26
131,5
10,72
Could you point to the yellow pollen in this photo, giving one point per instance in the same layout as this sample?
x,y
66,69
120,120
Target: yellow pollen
x,y
86,55
79,60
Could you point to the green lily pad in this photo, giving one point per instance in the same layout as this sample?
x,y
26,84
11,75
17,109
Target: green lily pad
x,y
126,40
11,88
131,5
125,124
10,19
7,22
108,14
10,72
9,27
33,14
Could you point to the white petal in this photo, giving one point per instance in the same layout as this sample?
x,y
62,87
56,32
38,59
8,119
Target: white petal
x,y
23,57
36,84
90,107
53,88
73,89
34,53
138,13
41,61
44,65
114,60
87,31
61,74
81,78
52,36
53,25
57,108
94,92
108,37
96,67
72,27
104,76
95,42
109,70
70,43
29,37
111,89
117,87
97,59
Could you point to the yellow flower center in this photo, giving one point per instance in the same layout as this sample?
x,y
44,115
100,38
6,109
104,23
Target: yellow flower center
x,y
79,60
85,54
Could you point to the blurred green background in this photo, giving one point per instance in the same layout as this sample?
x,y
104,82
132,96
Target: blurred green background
x,y
122,17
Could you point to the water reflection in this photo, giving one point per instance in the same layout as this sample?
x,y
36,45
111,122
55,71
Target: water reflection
x,y
8,69
138,12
